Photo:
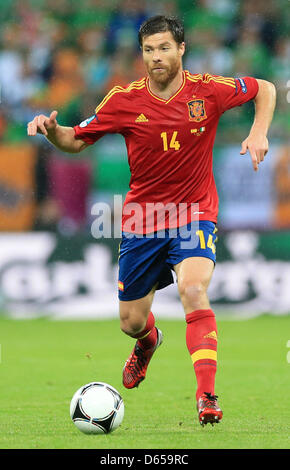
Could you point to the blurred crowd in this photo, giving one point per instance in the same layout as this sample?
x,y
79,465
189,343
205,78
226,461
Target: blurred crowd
x,y
66,55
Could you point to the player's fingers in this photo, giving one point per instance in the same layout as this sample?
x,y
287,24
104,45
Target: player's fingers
x,y
255,159
261,152
257,152
41,122
264,152
31,128
244,148
261,155
53,115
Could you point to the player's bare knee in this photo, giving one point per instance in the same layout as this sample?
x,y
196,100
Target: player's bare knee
x,y
193,294
132,326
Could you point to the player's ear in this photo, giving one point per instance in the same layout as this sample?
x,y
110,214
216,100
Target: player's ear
x,y
181,48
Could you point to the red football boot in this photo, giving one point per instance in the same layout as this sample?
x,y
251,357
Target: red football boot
x,y
135,367
208,409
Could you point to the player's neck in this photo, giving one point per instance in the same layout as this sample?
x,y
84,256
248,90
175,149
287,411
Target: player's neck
x,y
167,90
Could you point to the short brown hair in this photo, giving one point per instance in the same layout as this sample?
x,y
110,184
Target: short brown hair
x,y
160,24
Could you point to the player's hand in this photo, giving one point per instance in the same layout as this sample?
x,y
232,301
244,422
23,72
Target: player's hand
x,y
258,146
42,124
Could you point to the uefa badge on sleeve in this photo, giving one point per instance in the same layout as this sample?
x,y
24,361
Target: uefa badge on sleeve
x,y
87,121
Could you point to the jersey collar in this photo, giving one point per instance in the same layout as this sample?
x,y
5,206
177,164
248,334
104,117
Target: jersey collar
x,y
172,97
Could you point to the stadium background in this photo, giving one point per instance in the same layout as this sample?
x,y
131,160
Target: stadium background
x,y
66,55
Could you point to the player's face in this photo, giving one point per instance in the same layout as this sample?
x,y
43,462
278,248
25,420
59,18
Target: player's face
x,y
162,57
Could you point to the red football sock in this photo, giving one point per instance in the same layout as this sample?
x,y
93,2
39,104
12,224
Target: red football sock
x,y
201,341
148,336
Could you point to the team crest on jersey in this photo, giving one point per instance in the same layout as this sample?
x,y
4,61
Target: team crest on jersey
x,y
196,110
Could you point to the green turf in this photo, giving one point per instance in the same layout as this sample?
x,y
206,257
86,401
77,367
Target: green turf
x,y
43,363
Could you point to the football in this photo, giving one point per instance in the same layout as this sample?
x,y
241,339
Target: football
x,y
97,408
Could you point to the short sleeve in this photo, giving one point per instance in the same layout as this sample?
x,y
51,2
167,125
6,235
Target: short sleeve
x,y
231,92
104,121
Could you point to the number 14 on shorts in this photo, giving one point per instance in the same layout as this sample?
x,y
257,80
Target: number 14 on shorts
x,y
203,245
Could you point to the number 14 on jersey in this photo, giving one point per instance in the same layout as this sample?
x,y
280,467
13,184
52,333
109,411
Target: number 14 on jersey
x,y
171,139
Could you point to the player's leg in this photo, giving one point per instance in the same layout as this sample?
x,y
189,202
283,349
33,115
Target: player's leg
x,y
137,321
194,275
192,254
134,314
142,270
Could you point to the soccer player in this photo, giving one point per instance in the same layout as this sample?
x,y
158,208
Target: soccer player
x,y
169,120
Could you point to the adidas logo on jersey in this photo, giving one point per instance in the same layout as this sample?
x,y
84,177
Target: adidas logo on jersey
x,y
141,118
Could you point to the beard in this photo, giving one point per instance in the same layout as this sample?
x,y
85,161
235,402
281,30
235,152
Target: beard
x,y
164,77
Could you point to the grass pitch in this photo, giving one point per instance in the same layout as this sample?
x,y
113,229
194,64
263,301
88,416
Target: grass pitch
x,y
44,362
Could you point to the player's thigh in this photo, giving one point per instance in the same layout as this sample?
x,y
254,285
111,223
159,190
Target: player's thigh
x,y
193,256
195,269
134,313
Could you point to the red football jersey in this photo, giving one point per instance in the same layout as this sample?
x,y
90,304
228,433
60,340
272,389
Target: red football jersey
x,y
169,144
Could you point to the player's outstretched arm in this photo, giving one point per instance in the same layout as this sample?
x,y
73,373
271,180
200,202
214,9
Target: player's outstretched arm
x,y
257,142
60,136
